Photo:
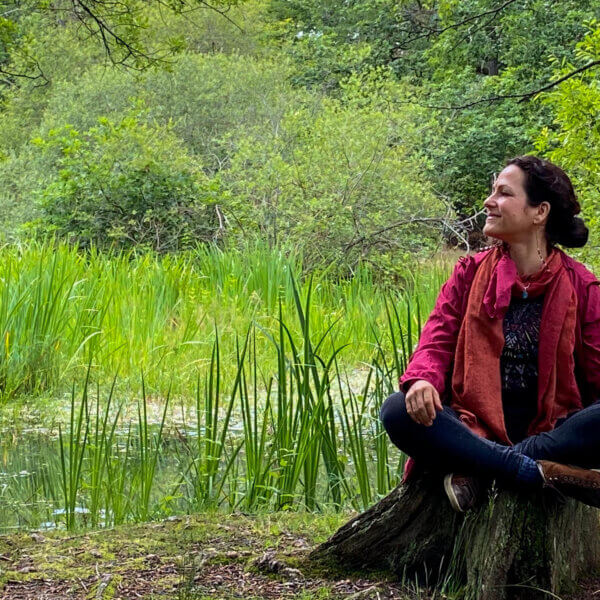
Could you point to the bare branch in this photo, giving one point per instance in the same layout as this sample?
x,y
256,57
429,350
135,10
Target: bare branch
x,y
23,75
433,31
522,97
202,4
444,222
108,35
219,232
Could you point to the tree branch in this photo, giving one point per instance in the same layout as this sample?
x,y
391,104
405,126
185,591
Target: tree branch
x,y
433,31
203,4
107,34
103,18
523,97
443,221
32,61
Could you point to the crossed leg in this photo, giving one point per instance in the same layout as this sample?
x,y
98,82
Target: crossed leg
x,y
449,446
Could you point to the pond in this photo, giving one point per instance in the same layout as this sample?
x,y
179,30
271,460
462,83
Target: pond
x,y
94,474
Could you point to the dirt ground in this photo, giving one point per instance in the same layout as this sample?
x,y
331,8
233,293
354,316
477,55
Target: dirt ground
x,y
194,558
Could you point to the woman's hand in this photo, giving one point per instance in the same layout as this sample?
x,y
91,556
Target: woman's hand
x,y
422,402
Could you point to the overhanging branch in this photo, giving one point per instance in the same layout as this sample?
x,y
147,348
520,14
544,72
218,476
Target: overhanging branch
x,y
522,97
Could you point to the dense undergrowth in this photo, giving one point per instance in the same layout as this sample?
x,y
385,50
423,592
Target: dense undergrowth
x,y
62,310
205,381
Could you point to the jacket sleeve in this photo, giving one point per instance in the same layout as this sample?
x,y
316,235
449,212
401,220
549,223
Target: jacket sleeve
x,y
590,338
434,354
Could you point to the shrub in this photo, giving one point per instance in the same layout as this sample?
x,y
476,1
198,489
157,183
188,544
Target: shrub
x,y
124,184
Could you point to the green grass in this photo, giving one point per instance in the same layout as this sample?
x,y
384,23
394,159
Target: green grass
x,y
61,311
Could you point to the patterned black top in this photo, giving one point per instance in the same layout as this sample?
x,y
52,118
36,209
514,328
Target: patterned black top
x,y
519,364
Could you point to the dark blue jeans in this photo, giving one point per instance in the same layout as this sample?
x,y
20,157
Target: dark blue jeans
x,y
449,446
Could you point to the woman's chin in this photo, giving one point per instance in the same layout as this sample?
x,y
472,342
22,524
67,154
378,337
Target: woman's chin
x,y
489,230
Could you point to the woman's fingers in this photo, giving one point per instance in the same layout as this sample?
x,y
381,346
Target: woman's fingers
x,y
422,403
430,403
422,411
413,408
412,404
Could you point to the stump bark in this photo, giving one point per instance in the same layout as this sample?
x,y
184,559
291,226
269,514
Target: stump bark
x,y
512,546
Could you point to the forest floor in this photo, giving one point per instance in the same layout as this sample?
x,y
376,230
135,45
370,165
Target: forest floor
x,y
196,558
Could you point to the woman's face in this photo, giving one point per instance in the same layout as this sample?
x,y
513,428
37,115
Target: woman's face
x,y
509,217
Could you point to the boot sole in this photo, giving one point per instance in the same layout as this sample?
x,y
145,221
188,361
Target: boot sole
x,y
450,493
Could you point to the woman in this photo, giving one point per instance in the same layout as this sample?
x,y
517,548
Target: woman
x,y
505,381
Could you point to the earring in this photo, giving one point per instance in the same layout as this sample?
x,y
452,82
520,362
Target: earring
x,y
539,251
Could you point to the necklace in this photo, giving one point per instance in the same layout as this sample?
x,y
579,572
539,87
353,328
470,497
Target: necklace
x,y
543,268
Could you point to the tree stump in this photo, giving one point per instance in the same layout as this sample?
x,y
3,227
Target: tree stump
x,y
512,546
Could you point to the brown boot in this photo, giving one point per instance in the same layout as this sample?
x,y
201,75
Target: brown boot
x,y
463,491
578,483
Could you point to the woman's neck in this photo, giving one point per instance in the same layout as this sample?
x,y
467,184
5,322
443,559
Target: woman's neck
x,y
527,257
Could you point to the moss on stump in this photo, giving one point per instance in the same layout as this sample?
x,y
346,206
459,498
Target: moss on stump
x,y
512,546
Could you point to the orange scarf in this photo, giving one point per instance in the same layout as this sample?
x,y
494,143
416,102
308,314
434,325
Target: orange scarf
x,y
476,382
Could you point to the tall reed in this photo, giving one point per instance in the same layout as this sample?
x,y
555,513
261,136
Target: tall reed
x,y
282,419
73,446
61,310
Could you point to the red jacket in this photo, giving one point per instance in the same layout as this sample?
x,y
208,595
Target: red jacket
x,y
433,358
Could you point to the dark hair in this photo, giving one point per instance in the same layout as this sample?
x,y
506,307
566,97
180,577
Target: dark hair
x,y
544,181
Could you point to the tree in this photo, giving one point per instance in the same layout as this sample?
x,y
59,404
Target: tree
x,y
572,139
118,27
336,176
470,63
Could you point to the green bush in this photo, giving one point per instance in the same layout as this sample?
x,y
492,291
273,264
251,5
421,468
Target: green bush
x,y
124,184
345,181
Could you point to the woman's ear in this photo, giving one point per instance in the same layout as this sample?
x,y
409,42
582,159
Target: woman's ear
x,y
543,212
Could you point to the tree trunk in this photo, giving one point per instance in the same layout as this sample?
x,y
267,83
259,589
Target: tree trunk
x,y
511,546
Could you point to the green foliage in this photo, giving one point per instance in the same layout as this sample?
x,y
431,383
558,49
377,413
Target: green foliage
x,y
572,139
126,184
205,101
296,169
118,32
500,54
343,182
330,41
315,125
236,30
518,38
453,53
214,100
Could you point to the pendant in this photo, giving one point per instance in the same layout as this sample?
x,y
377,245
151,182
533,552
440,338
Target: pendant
x,y
525,294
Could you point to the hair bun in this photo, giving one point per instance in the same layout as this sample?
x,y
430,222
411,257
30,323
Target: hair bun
x,y
573,233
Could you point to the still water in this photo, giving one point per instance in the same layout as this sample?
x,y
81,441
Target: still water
x,y
37,480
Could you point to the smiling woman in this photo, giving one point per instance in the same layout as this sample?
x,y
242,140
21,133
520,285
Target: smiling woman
x,y
505,381
530,203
